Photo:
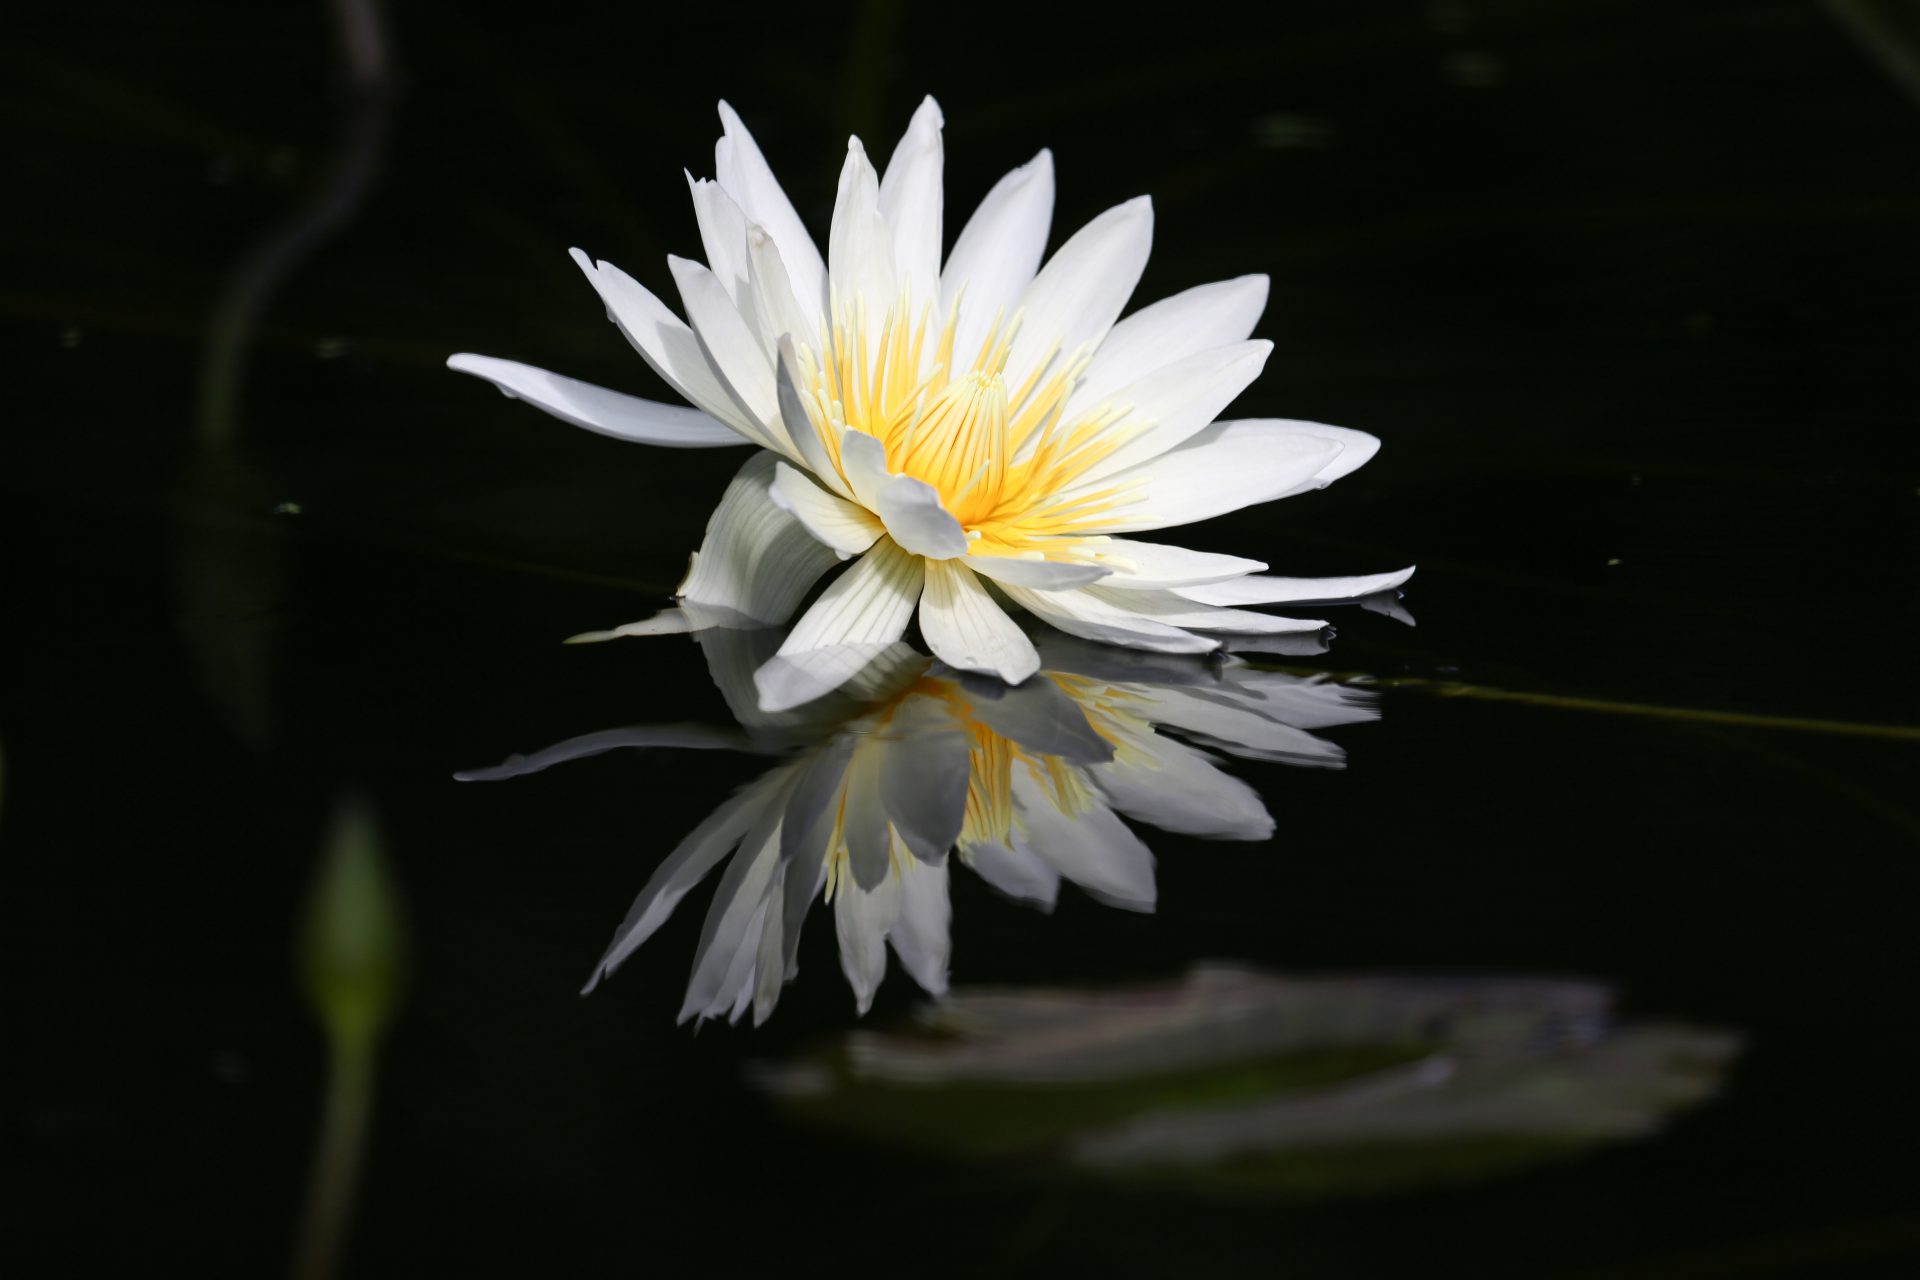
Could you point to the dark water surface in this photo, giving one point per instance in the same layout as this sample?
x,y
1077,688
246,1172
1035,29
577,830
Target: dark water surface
x,y
1630,290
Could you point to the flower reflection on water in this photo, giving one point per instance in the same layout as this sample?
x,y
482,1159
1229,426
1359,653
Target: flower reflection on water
x,y
911,765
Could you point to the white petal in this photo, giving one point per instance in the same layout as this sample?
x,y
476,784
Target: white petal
x,y
1212,315
868,608
733,349
1267,589
997,253
860,268
685,867
966,629
789,680
797,416
922,936
756,559
1227,466
910,199
864,460
665,343
723,235
1017,873
1145,565
686,737
845,526
743,171
1356,450
863,918
1041,575
689,617
1093,849
609,413
1180,788
1080,614
1079,293
1176,610
1170,406
913,515
771,290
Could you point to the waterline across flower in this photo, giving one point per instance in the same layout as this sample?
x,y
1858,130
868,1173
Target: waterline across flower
x,y
981,432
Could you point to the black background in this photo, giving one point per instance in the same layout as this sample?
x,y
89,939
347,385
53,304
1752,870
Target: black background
x,y
1629,288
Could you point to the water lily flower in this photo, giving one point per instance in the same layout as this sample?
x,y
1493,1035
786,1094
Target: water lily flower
x,y
912,761
981,431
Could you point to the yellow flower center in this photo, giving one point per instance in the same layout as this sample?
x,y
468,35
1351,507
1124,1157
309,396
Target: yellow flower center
x,y
1004,460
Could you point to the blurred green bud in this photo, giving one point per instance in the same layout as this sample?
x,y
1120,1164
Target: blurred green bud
x,y
353,942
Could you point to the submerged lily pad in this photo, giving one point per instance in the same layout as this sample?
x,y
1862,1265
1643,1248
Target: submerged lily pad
x,y
1242,1082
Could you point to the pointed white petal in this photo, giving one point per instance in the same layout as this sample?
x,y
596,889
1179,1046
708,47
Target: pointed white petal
x,y
846,527
1176,610
723,235
910,200
689,617
743,171
1041,575
966,629
922,936
1180,788
1212,315
860,267
863,918
789,680
1017,873
864,460
1356,450
686,737
916,520
733,349
1080,614
1079,293
1093,849
1141,566
771,290
1267,589
756,560
665,342
1227,466
1171,405
685,867
802,428
997,253
610,413
867,609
